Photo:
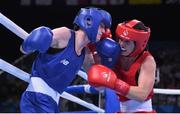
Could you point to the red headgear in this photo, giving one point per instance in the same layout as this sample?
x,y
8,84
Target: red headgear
x,y
126,31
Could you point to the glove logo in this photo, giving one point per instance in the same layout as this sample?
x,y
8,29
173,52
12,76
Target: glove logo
x,y
106,75
125,33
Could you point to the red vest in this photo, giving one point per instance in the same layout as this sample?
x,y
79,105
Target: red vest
x,y
130,75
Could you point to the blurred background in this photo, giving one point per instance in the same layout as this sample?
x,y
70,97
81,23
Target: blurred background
x,y
162,16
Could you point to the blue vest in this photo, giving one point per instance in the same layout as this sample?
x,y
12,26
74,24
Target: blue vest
x,y
58,70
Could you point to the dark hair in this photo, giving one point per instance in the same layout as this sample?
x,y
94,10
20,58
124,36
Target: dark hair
x,y
140,26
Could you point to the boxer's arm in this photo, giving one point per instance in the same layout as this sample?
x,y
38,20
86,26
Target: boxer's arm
x,y
145,81
88,60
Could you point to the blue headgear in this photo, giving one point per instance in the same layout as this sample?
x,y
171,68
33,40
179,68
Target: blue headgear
x,y
89,20
106,18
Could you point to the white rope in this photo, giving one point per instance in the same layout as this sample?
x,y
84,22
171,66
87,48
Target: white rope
x,y
81,102
82,74
15,62
7,67
156,90
167,91
13,27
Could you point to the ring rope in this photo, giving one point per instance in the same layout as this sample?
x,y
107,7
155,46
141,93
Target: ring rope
x,y
7,67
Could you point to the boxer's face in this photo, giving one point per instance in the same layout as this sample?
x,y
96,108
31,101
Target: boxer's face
x,y
101,30
127,46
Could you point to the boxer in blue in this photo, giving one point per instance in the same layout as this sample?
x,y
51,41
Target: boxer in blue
x,y
61,53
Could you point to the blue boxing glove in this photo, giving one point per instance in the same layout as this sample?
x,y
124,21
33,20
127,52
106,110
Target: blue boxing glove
x,y
109,51
39,39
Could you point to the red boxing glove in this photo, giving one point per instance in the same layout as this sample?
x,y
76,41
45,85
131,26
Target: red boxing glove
x,y
99,75
107,34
